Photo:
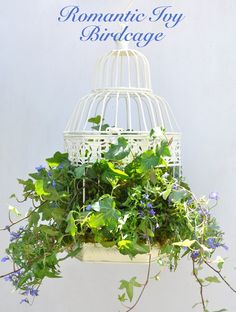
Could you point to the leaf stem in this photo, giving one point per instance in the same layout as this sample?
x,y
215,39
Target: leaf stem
x,y
144,285
220,275
201,287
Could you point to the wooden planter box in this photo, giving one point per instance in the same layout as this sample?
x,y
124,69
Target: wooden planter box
x,y
97,253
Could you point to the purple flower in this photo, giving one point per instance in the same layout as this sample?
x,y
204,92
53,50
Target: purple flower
x,y
211,243
203,212
14,236
8,278
225,247
152,212
39,168
4,259
49,174
174,187
54,184
149,205
195,254
25,300
88,208
146,196
214,195
34,292
61,166
190,201
18,273
21,228
26,292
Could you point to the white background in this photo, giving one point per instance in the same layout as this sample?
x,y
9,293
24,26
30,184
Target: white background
x,y
44,69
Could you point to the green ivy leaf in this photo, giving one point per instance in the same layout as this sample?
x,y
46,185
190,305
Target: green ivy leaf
x,y
212,279
167,192
34,219
122,298
118,151
71,226
96,221
14,210
163,150
39,188
147,161
49,230
129,286
131,248
186,243
96,120
57,159
178,195
80,171
220,262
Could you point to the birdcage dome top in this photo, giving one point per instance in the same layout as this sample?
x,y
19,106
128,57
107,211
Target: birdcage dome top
x,y
123,68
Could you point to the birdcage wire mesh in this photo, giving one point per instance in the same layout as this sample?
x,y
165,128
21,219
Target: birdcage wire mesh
x,y
127,106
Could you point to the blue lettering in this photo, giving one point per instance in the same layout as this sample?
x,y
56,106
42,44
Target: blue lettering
x,y
68,12
90,33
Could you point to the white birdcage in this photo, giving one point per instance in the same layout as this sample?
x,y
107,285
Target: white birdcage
x,y
127,106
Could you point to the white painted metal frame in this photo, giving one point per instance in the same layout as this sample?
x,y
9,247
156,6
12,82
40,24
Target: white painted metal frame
x,y
124,99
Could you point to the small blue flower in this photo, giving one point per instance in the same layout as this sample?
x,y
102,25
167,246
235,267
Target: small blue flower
x,y
174,187
27,291
34,292
4,259
211,243
149,205
190,201
39,168
49,174
14,236
146,196
21,228
25,300
203,212
195,254
214,195
88,208
18,273
61,166
152,212
8,278
225,247
54,184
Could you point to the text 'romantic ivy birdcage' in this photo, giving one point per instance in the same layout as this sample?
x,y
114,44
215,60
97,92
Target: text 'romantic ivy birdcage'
x,y
122,104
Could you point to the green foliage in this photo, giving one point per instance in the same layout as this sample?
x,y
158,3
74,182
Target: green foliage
x,y
129,287
118,151
132,205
